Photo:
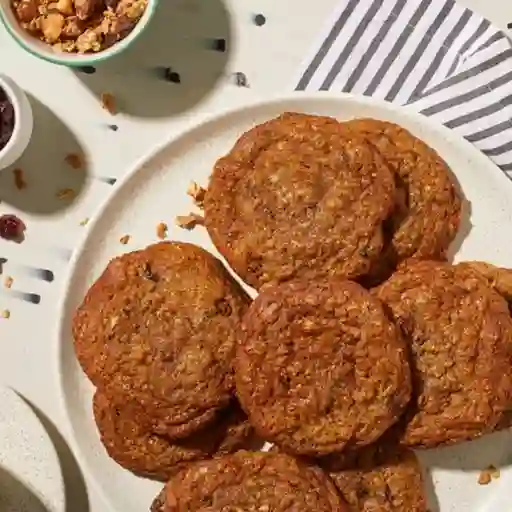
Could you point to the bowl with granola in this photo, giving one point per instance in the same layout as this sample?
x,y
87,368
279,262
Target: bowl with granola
x,y
76,32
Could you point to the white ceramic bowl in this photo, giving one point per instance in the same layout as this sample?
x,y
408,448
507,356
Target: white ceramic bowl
x,y
23,122
46,52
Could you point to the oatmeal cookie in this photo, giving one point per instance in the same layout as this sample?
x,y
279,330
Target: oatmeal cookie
x,y
460,334
321,367
131,445
158,329
299,197
251,482
379,478
428,207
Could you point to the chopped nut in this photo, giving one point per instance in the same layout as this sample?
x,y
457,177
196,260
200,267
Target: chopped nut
x,y
65,7
86,8
51,26
84,222
19,180
66,193
485,477
108,102
75,161
189,221
8,282
88,41
125,239
197,193
6,313
161,230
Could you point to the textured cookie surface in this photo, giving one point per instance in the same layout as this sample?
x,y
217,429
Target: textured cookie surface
x,y
251,482
460,334
131,445
158,329
428,208
321,367
379,479
299,197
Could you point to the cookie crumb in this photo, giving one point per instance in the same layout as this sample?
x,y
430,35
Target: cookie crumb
x,y
125,239
74,160
161,230
170,75
189,221
84,222
8,282
113,127
6,313
66,193
485,477
19,179
494,471
197,193
108,102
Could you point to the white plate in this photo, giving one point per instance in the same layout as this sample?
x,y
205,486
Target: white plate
x,y
155,191
30,474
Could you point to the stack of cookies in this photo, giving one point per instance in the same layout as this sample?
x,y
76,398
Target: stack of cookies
x,y
362,344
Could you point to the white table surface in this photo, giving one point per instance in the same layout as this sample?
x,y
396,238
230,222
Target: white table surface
x,y
69,118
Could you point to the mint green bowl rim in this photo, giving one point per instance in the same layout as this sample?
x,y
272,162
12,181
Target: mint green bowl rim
x,y
82,59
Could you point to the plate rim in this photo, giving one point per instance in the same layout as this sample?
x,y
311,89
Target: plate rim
x,y
171,137
37,425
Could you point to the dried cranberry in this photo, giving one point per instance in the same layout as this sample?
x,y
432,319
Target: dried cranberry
x,y
11,228
6,119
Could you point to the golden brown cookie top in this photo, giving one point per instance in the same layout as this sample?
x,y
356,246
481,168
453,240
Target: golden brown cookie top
x,y
159,328
131,444
252,482
299,197
321,367
460,333
428,208
379,478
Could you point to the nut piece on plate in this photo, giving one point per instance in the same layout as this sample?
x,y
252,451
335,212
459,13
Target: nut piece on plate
x,y
460,334
131,444
381,478
320,367
79,26
299,197
159,329
250,481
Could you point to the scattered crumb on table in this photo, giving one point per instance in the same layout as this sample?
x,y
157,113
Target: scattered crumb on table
x,y
108,102
189,221
74,160
495,472
66,193
125,239
161,230
485,477
19,179
6,313
84,222
8,281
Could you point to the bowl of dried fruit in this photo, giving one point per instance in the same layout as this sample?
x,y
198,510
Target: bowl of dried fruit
x,y
16,121
76,33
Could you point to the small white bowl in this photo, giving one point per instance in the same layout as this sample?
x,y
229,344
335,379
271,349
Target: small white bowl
x,y
23,122
44,51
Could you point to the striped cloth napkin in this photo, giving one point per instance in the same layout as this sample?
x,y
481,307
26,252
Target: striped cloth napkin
x,y
444,60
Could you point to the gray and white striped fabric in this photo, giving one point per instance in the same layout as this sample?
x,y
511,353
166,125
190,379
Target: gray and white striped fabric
x,y
443,59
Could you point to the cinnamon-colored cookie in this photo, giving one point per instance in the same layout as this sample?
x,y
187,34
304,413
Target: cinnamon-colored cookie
x,y
427,210
299,197
460,334
251,482
159,328
129,442
321,367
